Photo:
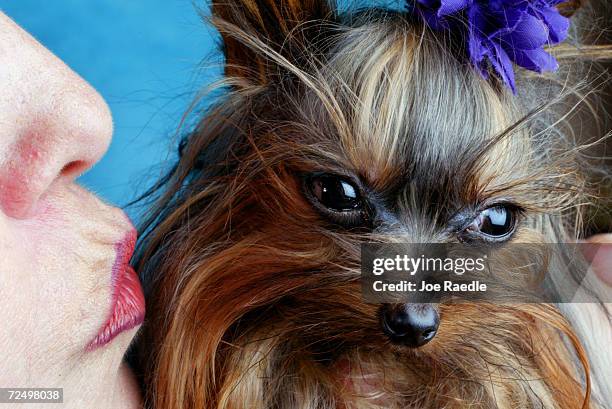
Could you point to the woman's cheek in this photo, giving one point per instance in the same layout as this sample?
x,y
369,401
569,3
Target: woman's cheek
x,y
52,301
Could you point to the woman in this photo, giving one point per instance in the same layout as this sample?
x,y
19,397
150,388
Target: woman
x,y
70,303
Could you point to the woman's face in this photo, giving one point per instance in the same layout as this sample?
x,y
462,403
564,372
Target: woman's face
x,y
69,303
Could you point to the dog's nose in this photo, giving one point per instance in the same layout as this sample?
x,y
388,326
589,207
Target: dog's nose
x,y
412,325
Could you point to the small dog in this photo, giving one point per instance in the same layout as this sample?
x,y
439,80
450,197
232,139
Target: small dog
x,y
341,129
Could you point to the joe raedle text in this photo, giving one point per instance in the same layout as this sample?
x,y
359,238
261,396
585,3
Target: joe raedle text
x,y
427,287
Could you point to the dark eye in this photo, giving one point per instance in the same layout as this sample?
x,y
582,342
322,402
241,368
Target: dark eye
x,y
496,222
337,198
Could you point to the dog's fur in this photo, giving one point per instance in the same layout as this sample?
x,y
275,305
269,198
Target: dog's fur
x,y
254,297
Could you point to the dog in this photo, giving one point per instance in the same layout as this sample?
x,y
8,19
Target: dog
x,y
338,129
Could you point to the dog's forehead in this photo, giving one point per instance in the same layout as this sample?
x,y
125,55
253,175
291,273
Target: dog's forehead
x,y
427,143
397,112
402,107
440,160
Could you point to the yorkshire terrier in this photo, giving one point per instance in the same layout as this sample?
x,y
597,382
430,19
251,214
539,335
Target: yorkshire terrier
x,y
340,129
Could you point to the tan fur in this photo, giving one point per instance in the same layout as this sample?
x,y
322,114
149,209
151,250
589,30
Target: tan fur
x,y
254,300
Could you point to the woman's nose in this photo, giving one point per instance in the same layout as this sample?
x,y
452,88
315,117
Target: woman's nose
x,y
412,325
57,126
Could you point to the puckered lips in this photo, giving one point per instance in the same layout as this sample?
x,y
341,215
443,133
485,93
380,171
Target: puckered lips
x,y
128,304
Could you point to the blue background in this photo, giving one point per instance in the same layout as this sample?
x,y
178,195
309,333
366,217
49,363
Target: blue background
x,y
147,58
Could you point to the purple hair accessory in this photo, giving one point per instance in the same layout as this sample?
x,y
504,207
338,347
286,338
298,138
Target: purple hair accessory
x,y
501,32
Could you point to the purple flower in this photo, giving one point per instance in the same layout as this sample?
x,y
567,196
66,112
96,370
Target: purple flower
x,y
501,32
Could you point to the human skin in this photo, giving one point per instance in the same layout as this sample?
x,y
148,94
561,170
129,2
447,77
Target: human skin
x,y
601,260
58,242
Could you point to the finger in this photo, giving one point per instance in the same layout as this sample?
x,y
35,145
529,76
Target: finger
x,y
600,256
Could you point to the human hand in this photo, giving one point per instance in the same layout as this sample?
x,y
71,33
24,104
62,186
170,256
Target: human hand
x,y
600,255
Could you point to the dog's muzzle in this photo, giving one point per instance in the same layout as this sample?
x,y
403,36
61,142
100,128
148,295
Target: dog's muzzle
x,y
412,325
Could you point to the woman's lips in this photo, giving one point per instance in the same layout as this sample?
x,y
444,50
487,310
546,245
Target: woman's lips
x,y
128,304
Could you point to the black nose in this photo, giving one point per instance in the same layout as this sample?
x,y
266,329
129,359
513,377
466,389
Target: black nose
x,y
412,325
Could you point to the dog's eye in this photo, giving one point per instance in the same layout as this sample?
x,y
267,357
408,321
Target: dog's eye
x,y
337,198
334,193
496,222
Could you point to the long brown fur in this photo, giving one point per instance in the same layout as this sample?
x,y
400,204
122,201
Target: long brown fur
x,y
254,298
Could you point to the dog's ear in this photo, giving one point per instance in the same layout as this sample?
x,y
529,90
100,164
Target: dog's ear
x,y
256,32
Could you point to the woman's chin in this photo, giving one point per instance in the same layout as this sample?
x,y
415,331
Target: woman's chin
x,y
129,390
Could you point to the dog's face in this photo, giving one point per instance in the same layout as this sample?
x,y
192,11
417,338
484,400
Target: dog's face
x,y
378,136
